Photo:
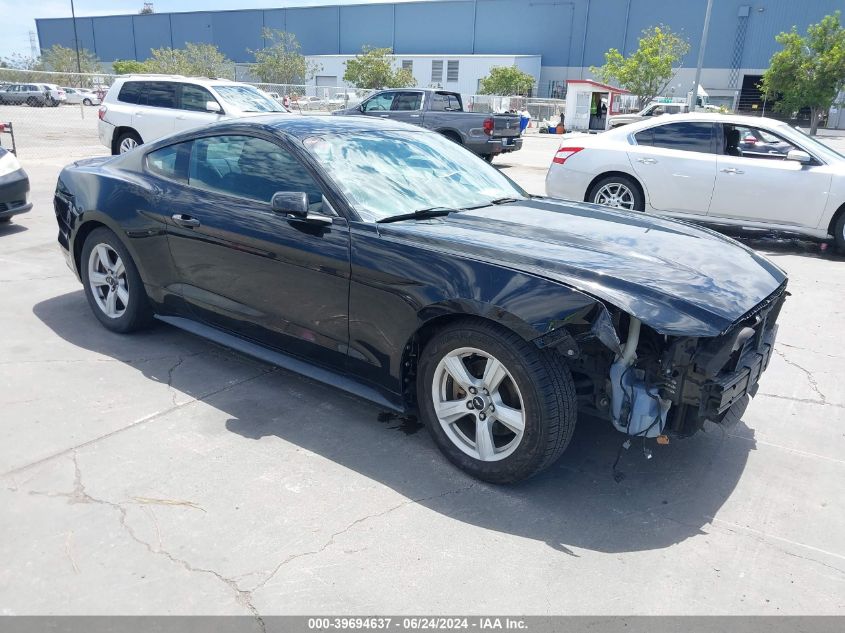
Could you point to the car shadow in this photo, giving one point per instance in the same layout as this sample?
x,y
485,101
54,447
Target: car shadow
x,y
10,228
779,244
577,504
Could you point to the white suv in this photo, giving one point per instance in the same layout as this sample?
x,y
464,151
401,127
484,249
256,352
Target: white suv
x,y
142,108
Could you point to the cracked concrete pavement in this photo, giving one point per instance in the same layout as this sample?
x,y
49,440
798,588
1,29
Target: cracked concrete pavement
x,y
161,474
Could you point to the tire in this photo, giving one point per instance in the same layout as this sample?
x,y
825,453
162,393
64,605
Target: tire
x,y
31,102
619,192
488,157
131,308
126,142
453,137
6,220
86,102
839,234
535,387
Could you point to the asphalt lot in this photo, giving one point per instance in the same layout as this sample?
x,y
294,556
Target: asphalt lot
x,y
160,474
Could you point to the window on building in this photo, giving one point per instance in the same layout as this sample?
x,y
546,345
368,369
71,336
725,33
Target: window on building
x,y
452,70
408,64
437,71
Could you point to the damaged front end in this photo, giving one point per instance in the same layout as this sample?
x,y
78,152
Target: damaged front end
x,y
654,384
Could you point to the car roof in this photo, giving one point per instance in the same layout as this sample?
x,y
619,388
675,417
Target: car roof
x,y
302,126
180,78
701,117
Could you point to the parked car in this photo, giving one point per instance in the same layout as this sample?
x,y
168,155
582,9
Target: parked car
x,y
343,100
84,96
56,94
391,263
308,103
14,187
487,135
692,166
34,95
142,108
651,110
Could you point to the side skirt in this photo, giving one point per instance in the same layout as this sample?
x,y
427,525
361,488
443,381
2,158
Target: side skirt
x,y
285,361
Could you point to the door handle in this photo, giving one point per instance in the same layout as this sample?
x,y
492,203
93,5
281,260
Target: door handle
x,y
185,220
732,170
647,161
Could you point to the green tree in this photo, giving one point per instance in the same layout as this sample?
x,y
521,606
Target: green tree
x,y
167,61
281,61
129,67
647,71
506,81
61,59
809,71
373,68
196,60
206,60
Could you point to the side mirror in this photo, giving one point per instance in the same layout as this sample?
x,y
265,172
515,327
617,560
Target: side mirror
x,y
291,202
213,106
799,156
295,203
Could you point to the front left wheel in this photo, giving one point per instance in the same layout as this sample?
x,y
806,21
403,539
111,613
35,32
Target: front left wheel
x,y
113,287
497,406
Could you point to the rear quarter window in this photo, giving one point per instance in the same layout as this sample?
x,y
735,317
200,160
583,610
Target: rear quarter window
x,y
170,162
130,92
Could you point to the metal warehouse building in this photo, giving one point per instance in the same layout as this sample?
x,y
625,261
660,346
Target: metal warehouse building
x,y
555,40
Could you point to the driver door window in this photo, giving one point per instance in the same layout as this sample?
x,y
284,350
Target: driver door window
x,y
249,167
380,104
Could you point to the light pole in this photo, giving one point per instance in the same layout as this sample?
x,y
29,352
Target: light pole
x,y
76,45
701,48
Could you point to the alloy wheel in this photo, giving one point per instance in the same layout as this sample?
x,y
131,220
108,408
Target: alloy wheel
x,y
128,144
616,195
108,281
478,404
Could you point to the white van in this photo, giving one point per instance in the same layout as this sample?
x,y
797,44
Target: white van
x,y
142,108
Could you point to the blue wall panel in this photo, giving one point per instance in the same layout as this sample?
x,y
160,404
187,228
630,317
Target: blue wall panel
x,y
564,32
55,31
114,37
275,19
527,28
437,27
237,31
364,25
194,28
151,31
316,29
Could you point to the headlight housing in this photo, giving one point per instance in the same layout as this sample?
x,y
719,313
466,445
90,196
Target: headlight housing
x,y
8,163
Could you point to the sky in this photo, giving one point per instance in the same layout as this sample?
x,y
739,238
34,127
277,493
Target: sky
x,y
17,18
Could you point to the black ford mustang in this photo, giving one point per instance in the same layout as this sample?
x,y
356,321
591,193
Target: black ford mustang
x,y
394,264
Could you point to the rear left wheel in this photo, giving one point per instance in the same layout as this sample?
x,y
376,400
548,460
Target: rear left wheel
x,y
497,406
113,287
86,102
617,191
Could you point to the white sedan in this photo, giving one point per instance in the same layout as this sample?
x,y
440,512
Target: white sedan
x,y
81,95
719,169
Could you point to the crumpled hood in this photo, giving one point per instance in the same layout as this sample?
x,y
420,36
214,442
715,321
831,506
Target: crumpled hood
x,y
677,278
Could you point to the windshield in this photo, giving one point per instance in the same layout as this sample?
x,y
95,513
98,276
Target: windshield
x,y
389,172
248,99
812,143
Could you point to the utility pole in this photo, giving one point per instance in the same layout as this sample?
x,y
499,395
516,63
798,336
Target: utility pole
x,y
76,45
701,48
